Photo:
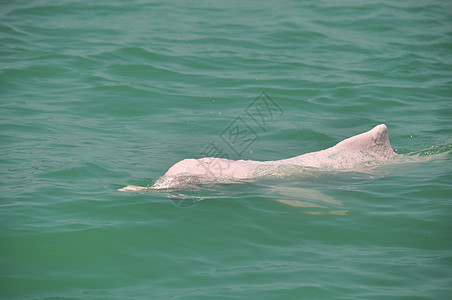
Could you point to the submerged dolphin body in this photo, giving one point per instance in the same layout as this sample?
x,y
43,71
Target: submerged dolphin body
x,y
355,152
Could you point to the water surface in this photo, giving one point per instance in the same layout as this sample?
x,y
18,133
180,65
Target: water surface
x,y
99,95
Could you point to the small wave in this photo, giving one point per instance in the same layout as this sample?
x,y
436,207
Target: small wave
x,y
432,154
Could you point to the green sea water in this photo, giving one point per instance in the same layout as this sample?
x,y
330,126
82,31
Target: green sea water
x,y
97,95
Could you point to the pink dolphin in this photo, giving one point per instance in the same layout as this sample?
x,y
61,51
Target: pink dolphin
x,y
354,152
